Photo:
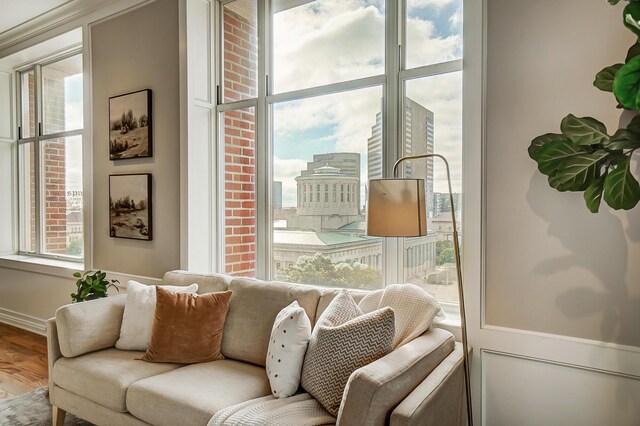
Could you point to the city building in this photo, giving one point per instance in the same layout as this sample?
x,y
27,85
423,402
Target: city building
x,y
418,132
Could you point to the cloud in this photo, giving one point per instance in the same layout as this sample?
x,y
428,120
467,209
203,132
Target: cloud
x,y
425,47
285,171
336,40
455,20
435,4
337,43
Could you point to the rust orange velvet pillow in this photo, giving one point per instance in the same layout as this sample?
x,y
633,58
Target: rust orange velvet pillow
x,y
187,327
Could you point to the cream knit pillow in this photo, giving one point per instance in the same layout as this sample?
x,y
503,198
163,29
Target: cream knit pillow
x,y
342,341
287,346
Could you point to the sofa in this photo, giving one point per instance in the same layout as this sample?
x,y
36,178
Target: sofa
x,y
419,383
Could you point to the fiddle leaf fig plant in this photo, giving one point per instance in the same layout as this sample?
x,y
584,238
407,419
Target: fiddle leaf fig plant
x,y
584,157
92,285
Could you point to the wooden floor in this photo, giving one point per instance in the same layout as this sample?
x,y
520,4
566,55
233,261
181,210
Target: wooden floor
x,y
23,361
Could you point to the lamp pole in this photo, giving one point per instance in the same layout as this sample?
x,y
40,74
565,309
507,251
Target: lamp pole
x,y
456,250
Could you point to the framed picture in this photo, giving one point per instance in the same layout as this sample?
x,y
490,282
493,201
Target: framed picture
x,y
130,134
130,206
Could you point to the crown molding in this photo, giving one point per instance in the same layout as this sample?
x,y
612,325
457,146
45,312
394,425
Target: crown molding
x,y
66,12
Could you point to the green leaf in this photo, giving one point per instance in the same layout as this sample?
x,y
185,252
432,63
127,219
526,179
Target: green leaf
x,y
89,280
593,194
626,84
584,130
621,189
77,274
631,16
541,140
604,79
634,124
614,2
578,172
550,156
624,139
633,52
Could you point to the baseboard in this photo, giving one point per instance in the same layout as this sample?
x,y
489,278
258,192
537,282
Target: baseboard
x,y
25,322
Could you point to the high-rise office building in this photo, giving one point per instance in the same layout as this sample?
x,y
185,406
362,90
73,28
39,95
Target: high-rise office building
x,y
418,134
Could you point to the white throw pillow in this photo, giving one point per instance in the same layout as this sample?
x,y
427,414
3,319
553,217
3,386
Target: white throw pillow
x,y
139,311
287,346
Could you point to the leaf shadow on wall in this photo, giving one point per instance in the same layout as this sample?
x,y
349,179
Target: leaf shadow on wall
x,y
596,243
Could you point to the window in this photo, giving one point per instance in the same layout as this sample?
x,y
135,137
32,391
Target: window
x,y
50,126
335,102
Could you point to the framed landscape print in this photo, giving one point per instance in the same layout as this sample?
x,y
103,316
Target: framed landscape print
x,y
130,134
130,206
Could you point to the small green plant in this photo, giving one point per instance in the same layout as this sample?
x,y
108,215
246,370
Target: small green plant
x,y
584,157
92,285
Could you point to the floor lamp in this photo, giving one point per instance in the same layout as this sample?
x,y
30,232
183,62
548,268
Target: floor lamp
x,y
397,208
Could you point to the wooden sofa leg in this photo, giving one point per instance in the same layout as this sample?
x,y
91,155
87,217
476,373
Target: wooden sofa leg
x,y
57,416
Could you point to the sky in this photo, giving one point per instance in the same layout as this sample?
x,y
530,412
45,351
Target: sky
x,y
329,41
73,114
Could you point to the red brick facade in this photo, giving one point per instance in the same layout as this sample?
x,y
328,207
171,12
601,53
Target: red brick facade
x,y
52,170
240,56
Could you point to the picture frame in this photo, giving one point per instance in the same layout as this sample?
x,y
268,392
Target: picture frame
x,y
130,125
130,206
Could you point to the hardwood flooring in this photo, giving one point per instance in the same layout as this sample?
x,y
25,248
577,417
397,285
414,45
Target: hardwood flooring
x,y
23,361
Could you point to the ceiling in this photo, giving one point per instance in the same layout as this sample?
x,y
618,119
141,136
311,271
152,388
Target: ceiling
x,y
16,12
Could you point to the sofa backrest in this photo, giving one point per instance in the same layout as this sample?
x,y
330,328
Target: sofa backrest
x,y
253,307
207,283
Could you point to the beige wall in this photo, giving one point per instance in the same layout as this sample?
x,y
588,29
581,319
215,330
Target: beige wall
x,y
138,50
552,266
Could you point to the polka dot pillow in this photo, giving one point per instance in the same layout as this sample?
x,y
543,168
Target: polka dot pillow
x,y
287,346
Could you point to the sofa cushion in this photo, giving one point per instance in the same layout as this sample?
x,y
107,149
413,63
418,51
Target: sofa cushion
x,y
253,307
139,310
187,327
105,376
193,394
289,338
328,294
207,283
344,340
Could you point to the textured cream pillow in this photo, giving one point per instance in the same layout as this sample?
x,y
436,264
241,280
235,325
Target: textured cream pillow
x,y
415,309
139,311
342,341
287,345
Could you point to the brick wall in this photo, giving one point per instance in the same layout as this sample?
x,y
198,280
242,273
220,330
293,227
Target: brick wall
x,y
53,169
240,47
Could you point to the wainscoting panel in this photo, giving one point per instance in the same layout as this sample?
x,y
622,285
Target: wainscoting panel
x,y
523,391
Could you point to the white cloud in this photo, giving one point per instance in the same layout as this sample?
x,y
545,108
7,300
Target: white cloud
x,y
334,40
455,20
285,171
424,47
436,4
341,42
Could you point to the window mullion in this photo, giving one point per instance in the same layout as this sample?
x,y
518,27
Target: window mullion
x,y
263,172
391,141
39,182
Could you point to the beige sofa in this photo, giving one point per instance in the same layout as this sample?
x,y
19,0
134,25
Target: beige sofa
x,y
420,383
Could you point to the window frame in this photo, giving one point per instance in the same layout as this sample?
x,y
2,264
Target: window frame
x,y
38,139
393,85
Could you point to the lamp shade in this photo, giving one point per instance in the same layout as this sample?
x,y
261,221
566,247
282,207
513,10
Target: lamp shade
x,y
396,208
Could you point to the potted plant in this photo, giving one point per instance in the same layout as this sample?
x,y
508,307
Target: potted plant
x,y
92,285
584,156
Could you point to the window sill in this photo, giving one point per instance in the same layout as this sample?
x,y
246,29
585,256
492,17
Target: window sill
x,y
453,322
41,265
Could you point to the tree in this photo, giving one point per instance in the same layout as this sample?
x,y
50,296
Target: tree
x,y
442,245
318,269
447,256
